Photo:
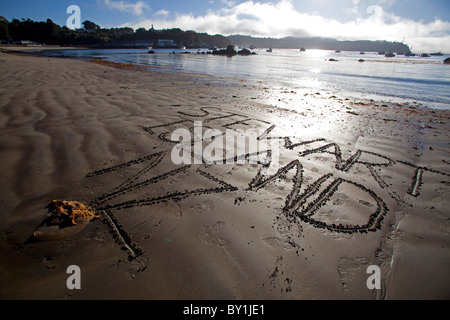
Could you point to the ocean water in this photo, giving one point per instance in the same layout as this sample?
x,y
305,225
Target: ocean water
x,y
400,78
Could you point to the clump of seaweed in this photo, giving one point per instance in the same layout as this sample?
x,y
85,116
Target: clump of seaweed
x,y
69,213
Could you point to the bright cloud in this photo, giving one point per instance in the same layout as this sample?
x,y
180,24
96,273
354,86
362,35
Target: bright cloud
x,y
162,12
280,19
134,8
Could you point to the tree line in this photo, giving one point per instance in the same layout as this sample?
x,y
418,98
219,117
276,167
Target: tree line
x,y
50,33
319,43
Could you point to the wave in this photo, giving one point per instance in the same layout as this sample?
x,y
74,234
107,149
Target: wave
x,y
393,79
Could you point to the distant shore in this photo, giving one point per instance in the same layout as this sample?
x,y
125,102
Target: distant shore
x,y
360,183
46,47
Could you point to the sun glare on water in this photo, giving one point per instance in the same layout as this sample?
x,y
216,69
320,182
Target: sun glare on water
x,y
315,53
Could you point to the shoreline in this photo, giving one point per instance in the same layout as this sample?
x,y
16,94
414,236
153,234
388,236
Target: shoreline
x,y
77,130
49,47
373,97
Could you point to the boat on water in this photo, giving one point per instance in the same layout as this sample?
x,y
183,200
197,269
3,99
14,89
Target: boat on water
x,y
436,54
269,50
338,51
302,49
424,55
362,52
389,55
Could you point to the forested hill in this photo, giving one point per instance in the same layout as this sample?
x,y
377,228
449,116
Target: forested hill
x,y
93,35
319,43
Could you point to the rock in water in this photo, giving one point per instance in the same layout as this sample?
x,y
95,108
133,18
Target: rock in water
x,y
244,52
229,51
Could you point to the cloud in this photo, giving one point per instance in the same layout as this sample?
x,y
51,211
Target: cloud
x,y
388,3
134,8
162,13
228,3
280,19
354,9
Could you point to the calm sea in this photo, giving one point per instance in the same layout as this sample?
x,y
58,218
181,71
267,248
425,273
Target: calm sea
x,y
399,78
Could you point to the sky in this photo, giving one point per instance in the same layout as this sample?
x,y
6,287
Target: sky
x,y
424,25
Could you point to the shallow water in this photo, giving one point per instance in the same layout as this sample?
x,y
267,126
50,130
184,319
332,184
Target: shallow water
x,y
425,80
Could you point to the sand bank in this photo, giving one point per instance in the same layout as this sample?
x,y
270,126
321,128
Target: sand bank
x,y
359,183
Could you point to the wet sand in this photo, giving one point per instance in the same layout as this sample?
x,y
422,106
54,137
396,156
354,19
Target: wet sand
x,y
359,183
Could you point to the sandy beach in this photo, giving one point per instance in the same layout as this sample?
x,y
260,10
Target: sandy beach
x,y
359,183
